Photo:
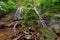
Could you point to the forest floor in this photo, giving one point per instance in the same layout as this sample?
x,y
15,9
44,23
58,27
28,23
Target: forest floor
x,y
7,17
8,32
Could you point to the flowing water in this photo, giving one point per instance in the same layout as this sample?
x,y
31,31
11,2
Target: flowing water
x,y
14,28
39,14
40,17
17,16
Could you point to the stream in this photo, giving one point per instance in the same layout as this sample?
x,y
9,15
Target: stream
x,y
17,17
40,17
40,20
19,11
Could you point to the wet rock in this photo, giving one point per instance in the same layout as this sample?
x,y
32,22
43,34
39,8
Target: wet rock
x,y
28,37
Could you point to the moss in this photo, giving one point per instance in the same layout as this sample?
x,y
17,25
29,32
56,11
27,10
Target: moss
x,y
47,33
1,38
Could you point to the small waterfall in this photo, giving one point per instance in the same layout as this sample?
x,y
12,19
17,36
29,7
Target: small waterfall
x,y
14,28
17,17
40,17
18,14
39,14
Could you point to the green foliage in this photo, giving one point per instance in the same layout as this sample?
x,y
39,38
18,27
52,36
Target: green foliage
x,y
2,8
29,14
48,7
47,33
6,7
48,3
29,17
4,0
11,6
48,15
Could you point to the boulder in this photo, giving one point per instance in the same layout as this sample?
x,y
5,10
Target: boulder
x,y
56,28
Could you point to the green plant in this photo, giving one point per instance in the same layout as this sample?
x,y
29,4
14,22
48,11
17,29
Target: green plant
x,y
47,15
29,17
47,33
3,8
29,12
8,6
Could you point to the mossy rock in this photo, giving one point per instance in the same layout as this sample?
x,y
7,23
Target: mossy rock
x,y
47,33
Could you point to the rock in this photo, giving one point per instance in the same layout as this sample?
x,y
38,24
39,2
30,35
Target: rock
x,y
2,25
57,15
9,24
25,32
28,37
6,24
56,28
38,36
